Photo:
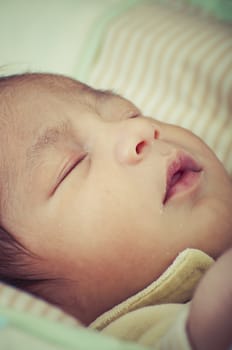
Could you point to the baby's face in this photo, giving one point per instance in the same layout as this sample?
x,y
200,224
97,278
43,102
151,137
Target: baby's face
x,y
106,197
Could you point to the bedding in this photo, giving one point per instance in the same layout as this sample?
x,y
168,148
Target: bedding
x,y
31,323
34,322
222,9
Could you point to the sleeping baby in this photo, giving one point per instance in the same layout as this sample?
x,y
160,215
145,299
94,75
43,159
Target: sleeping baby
x,y
104,211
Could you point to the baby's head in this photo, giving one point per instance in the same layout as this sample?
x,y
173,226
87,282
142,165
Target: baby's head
x,y
96,199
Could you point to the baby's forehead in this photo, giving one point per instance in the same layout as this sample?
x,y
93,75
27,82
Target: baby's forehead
x,y
27,99
27,102
32,101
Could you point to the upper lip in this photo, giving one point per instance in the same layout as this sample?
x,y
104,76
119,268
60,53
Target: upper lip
x,y
179,163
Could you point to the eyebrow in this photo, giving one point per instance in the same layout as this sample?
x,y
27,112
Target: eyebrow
x,y
53,134
48,138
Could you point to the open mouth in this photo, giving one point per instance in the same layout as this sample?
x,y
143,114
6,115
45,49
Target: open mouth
x,y
182,175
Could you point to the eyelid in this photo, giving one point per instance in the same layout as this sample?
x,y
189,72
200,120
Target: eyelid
x,y
135,115
67,169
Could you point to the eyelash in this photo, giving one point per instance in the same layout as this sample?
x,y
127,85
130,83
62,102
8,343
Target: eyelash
x,y
69,170
75,164
134,116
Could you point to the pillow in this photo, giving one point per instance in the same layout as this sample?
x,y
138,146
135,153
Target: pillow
x,y
19,301
30,323
220,8
174,62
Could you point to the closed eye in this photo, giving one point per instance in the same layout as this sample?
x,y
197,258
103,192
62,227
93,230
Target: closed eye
x,y
67,171
135,115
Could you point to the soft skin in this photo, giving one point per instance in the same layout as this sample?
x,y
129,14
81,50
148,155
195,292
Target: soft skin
x,y
209,321
89,202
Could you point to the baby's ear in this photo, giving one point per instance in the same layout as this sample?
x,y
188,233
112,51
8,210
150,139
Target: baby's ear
x,y
209,323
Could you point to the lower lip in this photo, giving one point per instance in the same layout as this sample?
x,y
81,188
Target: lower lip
x,y
186,185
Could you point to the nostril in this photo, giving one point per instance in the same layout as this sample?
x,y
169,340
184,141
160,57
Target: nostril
x,y
140,146
156,134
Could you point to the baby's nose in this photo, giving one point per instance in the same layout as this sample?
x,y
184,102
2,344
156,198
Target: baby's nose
x,y
135,139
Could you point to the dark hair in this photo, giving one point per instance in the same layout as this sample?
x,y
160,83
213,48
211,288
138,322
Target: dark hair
x,y
14,262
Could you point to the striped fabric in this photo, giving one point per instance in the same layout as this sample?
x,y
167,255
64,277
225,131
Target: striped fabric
x,y
175,63
15,299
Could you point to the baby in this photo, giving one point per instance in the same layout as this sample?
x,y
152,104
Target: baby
x,y
97,200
